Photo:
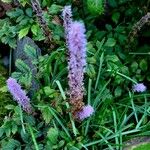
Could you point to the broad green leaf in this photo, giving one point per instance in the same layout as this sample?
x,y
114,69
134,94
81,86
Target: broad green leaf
x,y
29,12
110,42
34,29
22,66
115,17
54,9
52,135
143,65
23,32
118,91
47,116
30,51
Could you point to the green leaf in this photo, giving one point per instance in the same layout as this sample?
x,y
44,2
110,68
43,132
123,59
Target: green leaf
x,y
91,71
29,12
14,128
52,135
47,116
118,92
54,9
49,92
110,42
30,51
115,17
3,89
112,3
10,107
96,7
143,65
15,13
2,130
134,66
23,32
23,67
34,29
109,27
11,145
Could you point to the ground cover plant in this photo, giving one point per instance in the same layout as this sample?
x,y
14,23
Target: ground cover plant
x,y
75,74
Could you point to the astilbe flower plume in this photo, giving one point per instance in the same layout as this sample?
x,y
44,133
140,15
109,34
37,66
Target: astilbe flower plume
x,y
76,42
18,94
139,87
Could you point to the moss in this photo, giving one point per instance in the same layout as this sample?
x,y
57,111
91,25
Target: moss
x,y
4,96
144,146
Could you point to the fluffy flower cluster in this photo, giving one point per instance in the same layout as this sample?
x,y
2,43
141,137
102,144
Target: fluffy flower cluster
x,y
77,59
139,87
18,94
67,18
76,42
87,111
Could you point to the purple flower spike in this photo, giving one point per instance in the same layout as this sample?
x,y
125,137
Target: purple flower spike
x,y
67,18
87,111
77,59
18,94
139,87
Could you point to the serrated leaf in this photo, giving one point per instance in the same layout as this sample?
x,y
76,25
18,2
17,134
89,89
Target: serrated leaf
x,y
22,66
52,135
23,32
47,116
49,92
30,51
11,145
95,7
17,75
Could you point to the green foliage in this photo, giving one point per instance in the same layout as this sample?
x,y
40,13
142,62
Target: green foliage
x,y
113,66
4,97
142,147
96,7
24,75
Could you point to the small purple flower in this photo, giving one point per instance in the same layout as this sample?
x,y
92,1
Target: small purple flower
x,y
139,87
18,94
77,59
87,111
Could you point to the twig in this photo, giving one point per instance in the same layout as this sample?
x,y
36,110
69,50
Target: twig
x,y
39,13
137,27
